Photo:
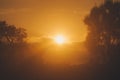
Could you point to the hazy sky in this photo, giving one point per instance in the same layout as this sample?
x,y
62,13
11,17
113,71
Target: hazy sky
x,y
48,17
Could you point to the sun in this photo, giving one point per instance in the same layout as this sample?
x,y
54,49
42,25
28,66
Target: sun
x,y
59,39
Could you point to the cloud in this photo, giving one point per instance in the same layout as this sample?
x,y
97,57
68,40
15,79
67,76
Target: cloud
x,y
12,11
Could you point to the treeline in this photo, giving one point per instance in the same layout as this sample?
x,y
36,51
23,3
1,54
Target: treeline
x,y
16,54
103,40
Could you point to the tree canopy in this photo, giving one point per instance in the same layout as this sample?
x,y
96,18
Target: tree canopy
x,y
104,28
11,34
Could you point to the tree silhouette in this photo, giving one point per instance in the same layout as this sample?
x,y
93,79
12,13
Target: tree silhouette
x,y
10,34
103,39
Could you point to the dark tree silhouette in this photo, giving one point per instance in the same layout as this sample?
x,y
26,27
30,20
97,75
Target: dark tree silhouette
x,y
10,34
103,39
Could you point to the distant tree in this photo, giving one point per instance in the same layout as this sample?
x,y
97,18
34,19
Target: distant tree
x,y
10,34
103,39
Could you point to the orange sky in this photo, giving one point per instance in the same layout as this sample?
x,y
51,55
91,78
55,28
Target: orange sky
x,y
48,17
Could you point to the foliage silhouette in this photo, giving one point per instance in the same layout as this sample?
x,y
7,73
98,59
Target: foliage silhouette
x,y
9,34
103,40
104,30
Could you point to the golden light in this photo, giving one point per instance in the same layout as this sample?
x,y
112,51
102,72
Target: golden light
x,y
60,39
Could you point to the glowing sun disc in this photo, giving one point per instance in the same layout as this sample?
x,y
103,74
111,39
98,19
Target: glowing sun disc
x,y
59,39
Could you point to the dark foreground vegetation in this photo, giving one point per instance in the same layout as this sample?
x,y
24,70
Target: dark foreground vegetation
x,y
20,60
